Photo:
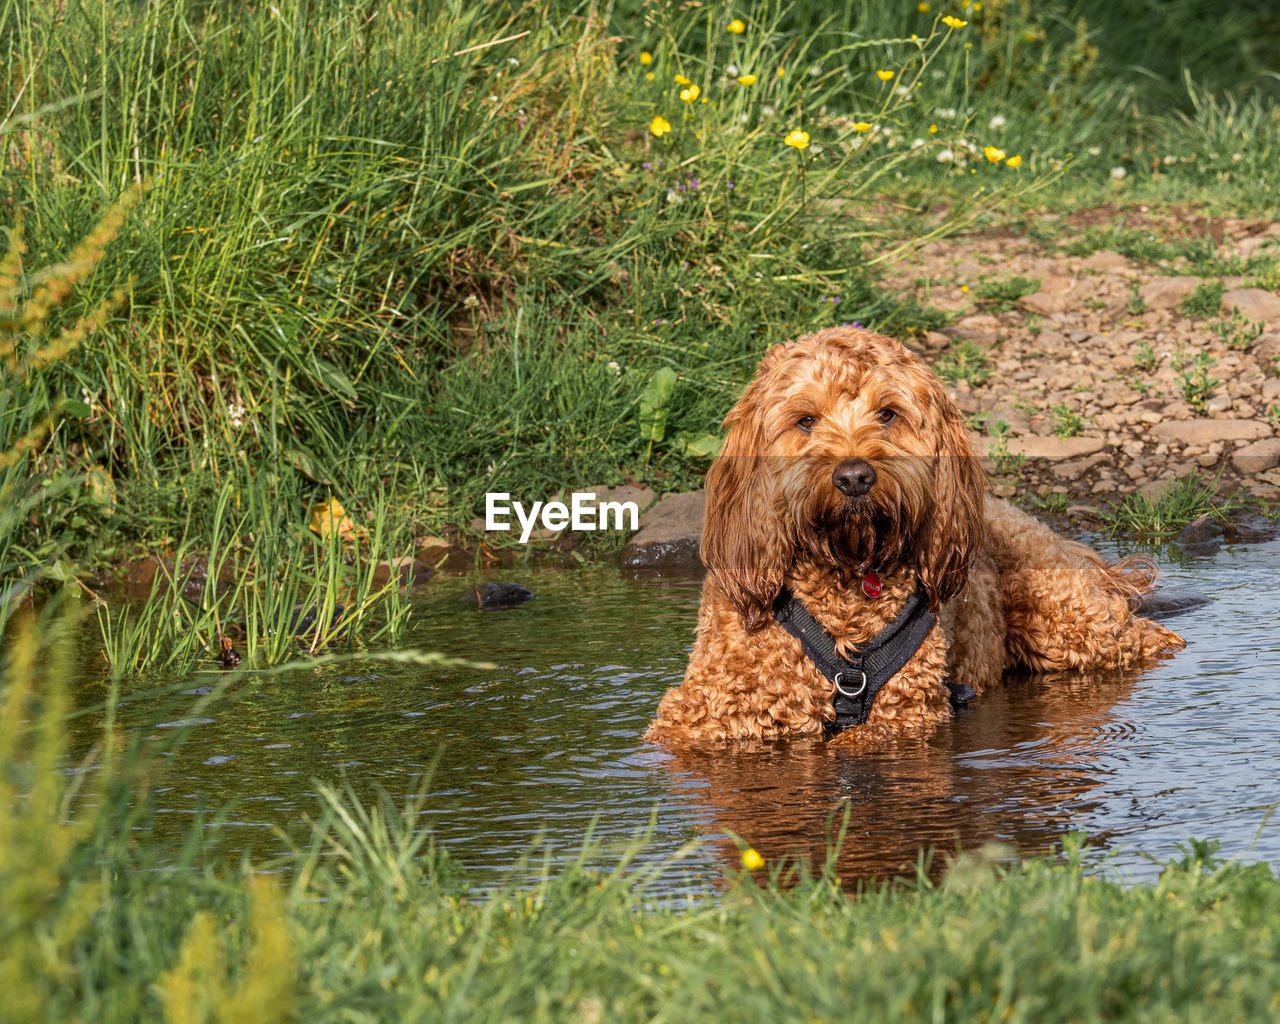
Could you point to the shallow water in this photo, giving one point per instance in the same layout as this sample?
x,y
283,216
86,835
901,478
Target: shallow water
x,y
549,742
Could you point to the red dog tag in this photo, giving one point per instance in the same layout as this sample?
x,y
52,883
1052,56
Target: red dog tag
x,y
871,585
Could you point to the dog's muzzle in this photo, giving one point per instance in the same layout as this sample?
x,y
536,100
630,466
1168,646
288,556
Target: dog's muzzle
x,y
853,477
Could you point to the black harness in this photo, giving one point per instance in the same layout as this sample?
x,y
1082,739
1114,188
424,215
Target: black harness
x,y
858,680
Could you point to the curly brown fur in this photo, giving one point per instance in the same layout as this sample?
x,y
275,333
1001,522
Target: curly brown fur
x,y
1006,589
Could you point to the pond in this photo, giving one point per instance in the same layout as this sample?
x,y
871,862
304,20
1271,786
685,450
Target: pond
x,y
546,747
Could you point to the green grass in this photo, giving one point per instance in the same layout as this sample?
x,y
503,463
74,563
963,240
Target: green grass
x,y
1205,301
1183,501
1004,293
965,360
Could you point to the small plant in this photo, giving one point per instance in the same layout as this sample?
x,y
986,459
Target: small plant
x,y
1096,304
965,361
1273,416
1205,301
1267,275
1194,383
1186,499
1136,305
1066,422
1145,357
1002,460
1004,293
1239,332
1138,384
1053,504
1034,325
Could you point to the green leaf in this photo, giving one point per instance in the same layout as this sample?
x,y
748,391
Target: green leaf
x,y
307,463
74,407
703,447
334,379
654,402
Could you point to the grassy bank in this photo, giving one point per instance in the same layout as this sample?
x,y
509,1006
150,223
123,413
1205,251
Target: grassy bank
x,y
405,255
367,920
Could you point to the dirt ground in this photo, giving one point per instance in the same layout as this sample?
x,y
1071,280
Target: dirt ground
x,y
1115,374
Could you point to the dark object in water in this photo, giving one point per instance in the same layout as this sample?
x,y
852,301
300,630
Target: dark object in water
x,y
228,656
303,619
1161,604
497,595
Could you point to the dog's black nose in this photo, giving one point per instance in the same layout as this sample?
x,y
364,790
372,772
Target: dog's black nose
x,y
853,477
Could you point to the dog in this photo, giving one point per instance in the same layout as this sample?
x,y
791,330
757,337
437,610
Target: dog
x,y
847,507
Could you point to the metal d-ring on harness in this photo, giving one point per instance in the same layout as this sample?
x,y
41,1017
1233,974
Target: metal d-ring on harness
x,y
876,662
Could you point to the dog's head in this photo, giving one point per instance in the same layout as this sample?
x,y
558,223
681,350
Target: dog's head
x,y
846,451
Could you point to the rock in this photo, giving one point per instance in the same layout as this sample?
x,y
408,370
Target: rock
x,y
1046,302
1207,431
496,594
1257,457
667,540
1076,468
1106,260
409,570
1202,536
1162,604
1167,292
1055,447
1253,303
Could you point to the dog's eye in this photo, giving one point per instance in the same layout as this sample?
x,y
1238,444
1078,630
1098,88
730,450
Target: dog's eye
x,y
805,423
887,416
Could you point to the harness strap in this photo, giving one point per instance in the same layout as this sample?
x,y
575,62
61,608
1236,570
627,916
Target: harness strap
x,y
858,680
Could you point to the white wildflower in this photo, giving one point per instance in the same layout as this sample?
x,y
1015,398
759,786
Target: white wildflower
x,y
1118,172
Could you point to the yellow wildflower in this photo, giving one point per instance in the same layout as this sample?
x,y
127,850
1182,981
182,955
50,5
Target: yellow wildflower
x,y
781,72
646,57
951,22
797,139
659,126
923,7
648,76
690,94
964,287
1014,161
977,8
737,26
681,80
746,79
884,76
751,860
993,154
933,129
862,126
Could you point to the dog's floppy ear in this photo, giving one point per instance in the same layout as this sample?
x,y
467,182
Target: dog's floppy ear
x,y
952,529
744,544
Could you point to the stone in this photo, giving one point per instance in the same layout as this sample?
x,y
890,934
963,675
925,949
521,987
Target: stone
x,y
1167,292
1253,303
1053,447
496,594
668,537
1077,468
409,571
1257,457
1207,431
1106,260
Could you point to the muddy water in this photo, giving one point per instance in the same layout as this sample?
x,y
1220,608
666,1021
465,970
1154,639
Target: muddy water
x,y
547,746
